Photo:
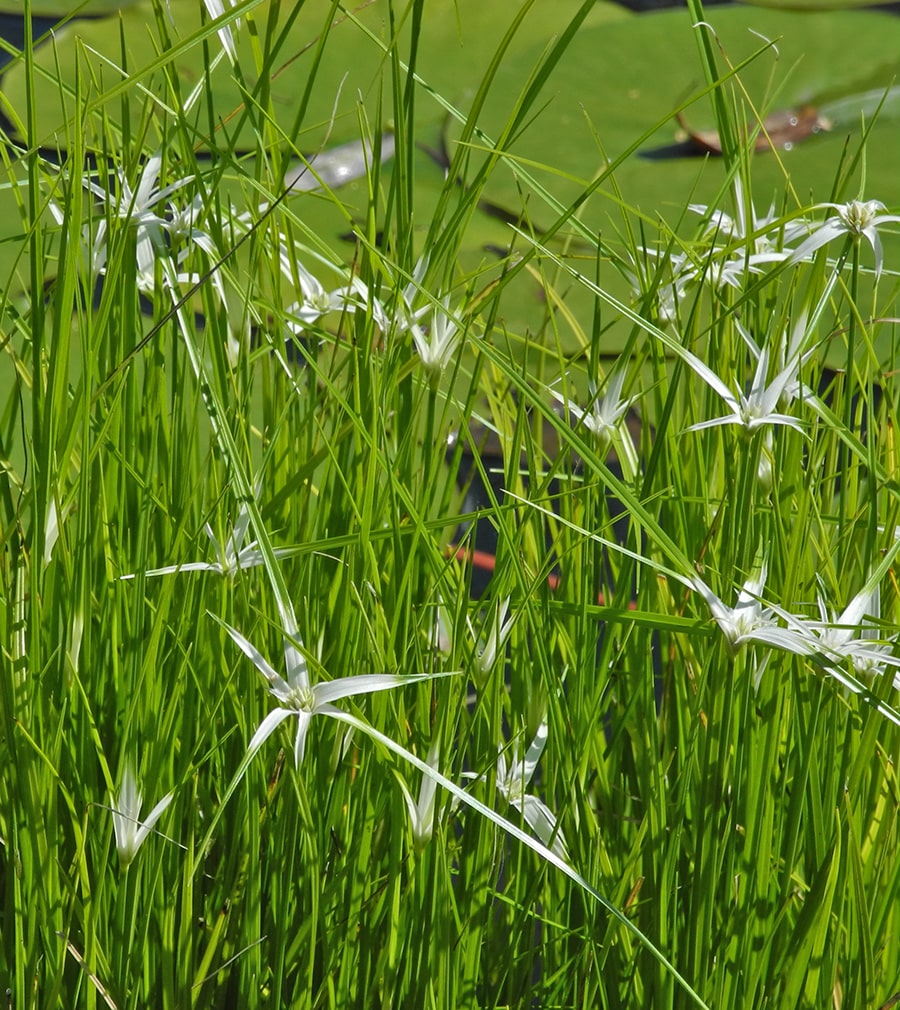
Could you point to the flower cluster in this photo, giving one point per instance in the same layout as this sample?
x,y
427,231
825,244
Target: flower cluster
x,y
166,232
138,207
745,244
437,342
835,641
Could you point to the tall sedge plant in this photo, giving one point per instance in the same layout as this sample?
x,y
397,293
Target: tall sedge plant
x,y
693,590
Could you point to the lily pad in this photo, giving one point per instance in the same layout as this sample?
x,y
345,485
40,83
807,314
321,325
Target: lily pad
x,y
819,5
457,44
621,78
619,84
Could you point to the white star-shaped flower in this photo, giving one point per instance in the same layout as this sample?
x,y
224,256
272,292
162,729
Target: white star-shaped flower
x,y
130,831
742,622
317,301
756,408
136,207
859,219
230,557
512,780
300,699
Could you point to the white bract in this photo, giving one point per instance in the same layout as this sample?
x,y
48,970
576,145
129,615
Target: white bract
x,y
318,302
859,219
216,9
511,782
730,271
489,643
604,419
752,621
437,346
403,313
421,811
435,343
668,295
299,698
136,207
130,831
231,557
742,622
668,299
441,632
789,358
745,226
182,224
851,635
829,642
756,408
51,531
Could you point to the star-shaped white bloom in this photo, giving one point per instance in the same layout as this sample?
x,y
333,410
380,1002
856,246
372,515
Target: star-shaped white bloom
x,y
603,416
490,643
604,419
511,782
137,207
718,267
859,219
667,294
721,269
130,831
182,225
318,302
851,635
403,312
829,642
756,408
742,622
746,225
302,700
421,811
230,558
437,343
752,621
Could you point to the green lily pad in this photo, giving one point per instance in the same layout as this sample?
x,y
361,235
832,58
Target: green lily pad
x,y
457,44
818,5
621,78
619,84
458,41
